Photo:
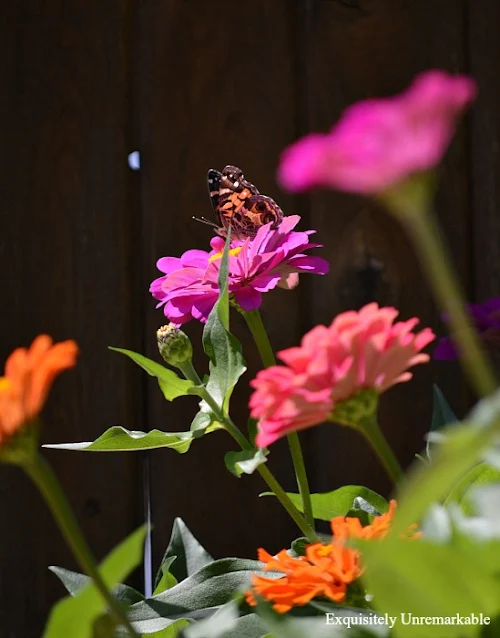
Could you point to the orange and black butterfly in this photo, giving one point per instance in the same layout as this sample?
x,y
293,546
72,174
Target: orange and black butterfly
x,y
237,201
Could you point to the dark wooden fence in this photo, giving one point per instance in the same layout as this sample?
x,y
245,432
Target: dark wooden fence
x,y
195,84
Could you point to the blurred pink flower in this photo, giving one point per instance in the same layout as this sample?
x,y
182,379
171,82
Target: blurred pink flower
x,y
189,288
360,350
379,142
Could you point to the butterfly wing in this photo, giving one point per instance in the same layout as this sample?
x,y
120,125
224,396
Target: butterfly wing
x,y
213,182
237,201
258,211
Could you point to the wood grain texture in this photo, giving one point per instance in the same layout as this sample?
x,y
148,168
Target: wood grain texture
x,y
356,53
67,263
484,46
216,88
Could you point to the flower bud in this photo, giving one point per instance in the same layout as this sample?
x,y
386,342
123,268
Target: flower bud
x,y
174,345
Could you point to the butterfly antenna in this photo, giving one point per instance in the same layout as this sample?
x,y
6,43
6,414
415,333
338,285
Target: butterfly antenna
x,y
203,220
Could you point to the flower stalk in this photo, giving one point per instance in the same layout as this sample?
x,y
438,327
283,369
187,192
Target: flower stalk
x,y
360,413
261,338
370,429
46,481
412,209
189,371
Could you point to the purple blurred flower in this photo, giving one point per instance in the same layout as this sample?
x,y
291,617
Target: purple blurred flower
x,y
485,318
380,142
189,288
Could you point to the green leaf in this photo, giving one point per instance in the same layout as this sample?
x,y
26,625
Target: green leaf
x,y
205,420
118,439
360,504
226,623
212,585
220,312
298,547
227,626
172,387
75,582
252,430
363,510
327,505
170,383
492,630
226,359
104,627
286,626
172,631
164,578
184,555
245,461
437,525
197,596
74,616
126,595
485,501
249,626
444,524
482,474
224,619
360,514
462,448
442,414
427,579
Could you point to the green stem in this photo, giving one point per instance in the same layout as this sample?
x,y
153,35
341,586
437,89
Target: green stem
x,y
260,336
411,206
190,373
372,432
301,476
46,481
303,524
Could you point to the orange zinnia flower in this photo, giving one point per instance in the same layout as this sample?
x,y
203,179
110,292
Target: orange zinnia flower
x,y
344,527
29,374
325,570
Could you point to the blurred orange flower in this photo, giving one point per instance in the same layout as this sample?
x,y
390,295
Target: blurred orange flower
x,y
29,374
326,569
344,527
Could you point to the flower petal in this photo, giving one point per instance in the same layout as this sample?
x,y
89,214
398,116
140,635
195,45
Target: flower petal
x,y
248,298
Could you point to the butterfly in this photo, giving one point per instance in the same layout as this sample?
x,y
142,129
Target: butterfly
x,y
238,203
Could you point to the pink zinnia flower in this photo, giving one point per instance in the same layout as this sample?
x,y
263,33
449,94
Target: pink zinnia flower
x,y
358,351
189,288
379,142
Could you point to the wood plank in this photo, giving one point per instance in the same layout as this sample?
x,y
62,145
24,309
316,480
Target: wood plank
x,y
375,49
68,260
484,51
218,89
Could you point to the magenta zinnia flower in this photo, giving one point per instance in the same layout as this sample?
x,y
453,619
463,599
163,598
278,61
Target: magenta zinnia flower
x,y
189,288
359,351
485,319
380,142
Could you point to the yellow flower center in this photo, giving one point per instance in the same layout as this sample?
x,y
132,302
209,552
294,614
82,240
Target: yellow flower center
x,y
234,252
